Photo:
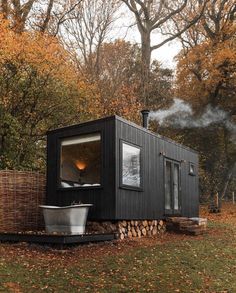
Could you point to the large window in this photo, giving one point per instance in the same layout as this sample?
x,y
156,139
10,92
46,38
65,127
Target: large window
x,y
130,165
80,163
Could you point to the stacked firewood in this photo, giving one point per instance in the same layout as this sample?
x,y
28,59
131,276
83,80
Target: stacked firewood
x,y
127,229
102,227
132,229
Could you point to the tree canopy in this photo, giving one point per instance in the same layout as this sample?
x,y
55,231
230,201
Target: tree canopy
x,y
61,62
206,77
38,91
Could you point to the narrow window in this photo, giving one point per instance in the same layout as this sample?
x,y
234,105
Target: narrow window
x,y
130,165
80,162
176,187
168,180
172,187
192,170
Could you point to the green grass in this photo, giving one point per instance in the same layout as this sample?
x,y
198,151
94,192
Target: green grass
x,y
183,265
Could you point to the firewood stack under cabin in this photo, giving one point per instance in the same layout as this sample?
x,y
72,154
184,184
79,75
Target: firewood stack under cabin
x,y
129,229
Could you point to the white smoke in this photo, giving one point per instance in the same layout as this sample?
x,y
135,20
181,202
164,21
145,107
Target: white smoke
x,y
180,115
178,107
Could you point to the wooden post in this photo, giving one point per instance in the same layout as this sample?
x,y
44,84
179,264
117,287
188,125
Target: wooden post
x,y
217,200
233,197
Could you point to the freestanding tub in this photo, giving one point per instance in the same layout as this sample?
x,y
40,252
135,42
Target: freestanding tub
x,y
68,219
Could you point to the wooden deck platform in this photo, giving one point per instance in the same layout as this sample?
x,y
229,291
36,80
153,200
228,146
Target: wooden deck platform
x,y
61,239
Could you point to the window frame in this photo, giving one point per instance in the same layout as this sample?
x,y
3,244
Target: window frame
x,y
121,184
59,149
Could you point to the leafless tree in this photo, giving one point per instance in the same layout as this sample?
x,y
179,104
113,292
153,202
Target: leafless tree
x,y
158,16
52,16
217,23
42,15
86,31
17,11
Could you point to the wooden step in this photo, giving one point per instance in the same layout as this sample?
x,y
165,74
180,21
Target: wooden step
x,y
189,226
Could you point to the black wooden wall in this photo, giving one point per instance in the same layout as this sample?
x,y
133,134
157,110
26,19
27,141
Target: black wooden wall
x,y
149,203
102,198
110,201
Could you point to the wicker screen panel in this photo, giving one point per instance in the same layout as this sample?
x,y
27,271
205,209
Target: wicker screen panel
x,y
21,193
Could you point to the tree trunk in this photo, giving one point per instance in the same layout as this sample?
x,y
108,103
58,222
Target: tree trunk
x,y
228,177
4,8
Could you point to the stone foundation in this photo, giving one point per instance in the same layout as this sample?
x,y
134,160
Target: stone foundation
x,y
128,229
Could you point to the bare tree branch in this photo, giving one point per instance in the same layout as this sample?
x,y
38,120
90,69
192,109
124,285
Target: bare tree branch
x,y
157,23
154,15
86,31
179,33
44,26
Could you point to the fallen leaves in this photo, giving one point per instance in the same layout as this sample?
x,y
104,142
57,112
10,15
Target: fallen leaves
x,y
13,287
172,263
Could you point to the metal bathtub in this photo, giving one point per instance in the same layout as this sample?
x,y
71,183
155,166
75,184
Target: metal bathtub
x,y
68,219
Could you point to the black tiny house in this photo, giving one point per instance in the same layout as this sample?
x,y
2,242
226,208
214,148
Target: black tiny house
x,y
124,170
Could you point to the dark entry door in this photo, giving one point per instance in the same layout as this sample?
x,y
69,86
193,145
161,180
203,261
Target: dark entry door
x,y
172,187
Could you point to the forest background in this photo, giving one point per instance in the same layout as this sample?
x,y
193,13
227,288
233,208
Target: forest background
x,y
65,62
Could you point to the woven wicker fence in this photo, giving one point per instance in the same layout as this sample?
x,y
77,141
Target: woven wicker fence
x,y
21,193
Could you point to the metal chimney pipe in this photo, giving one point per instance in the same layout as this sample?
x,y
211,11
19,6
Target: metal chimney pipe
x,y
145,114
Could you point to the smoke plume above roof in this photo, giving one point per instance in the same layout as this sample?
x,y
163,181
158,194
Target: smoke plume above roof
x,y
180,115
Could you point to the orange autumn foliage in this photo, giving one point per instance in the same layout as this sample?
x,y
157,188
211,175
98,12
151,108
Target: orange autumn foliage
x,y
207,74
41,51
38,91
206,78
207,65
96,103
113,89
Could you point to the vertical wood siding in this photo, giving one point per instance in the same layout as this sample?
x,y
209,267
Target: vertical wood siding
x,y
102,198
149,203
111,201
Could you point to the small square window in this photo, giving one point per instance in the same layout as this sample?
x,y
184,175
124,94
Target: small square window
x,y
192,170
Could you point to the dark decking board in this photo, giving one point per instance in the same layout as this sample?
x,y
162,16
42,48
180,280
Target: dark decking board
x,y
55,239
